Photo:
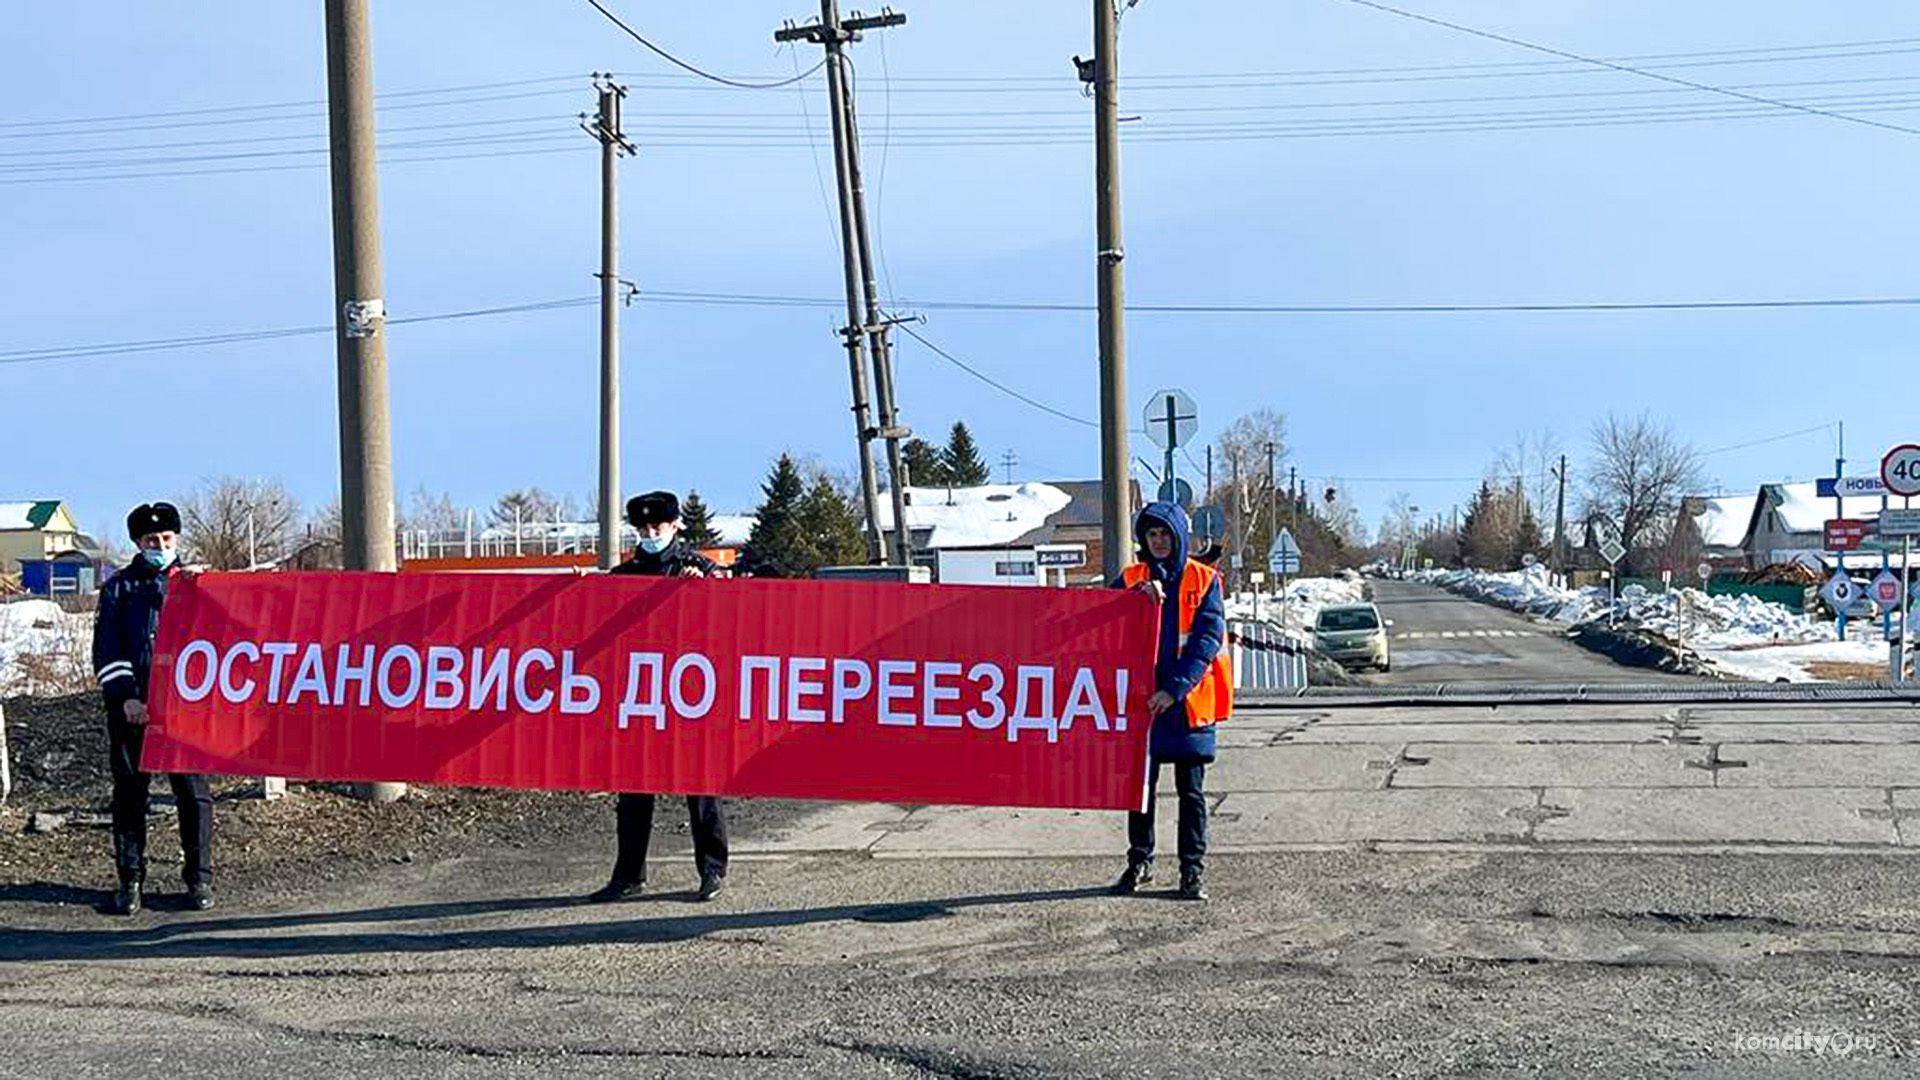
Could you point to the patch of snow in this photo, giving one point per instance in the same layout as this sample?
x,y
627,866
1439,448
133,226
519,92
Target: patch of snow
x,y
44,650
1801,508
1723,523
984,516
1790,662
733,528
13,515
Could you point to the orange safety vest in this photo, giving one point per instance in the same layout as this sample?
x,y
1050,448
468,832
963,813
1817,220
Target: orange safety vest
x,y
1211,699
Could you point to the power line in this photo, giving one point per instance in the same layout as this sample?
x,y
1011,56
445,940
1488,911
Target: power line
x,y
754,300
991,381
1642,72
679,63
122,348
766,300
571,146
1769,439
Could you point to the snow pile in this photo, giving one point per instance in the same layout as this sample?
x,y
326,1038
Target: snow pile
x,y
1304,599
1719,622
44,650
1529,591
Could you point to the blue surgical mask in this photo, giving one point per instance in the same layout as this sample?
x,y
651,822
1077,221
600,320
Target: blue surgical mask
x,y
654,545
159,558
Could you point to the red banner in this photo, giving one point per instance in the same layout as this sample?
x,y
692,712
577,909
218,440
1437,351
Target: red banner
x,y
809,689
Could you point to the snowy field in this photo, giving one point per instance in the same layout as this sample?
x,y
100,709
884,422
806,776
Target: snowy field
x,y
1743,637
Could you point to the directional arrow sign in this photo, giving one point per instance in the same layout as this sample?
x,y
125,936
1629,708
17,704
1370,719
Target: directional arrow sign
x,y
1172,419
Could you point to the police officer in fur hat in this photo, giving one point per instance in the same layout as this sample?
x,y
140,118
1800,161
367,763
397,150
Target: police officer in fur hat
x,y
662,553
129,611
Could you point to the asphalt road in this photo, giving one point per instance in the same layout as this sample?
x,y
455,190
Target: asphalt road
x,y
1437,636
1474,892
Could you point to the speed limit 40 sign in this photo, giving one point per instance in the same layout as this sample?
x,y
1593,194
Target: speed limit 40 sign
x,y
1900,469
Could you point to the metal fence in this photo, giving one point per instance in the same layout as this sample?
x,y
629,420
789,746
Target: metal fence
x,y
1267,657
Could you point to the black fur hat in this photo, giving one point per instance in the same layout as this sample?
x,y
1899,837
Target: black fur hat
x,y
653,508
152,518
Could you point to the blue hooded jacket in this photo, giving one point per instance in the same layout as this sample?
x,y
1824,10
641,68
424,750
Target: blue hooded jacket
x,y
1175,670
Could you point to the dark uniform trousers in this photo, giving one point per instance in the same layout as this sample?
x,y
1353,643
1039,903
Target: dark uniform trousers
x,y
130,787
635,828
1188,777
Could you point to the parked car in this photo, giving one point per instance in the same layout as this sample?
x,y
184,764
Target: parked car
x,y
1354,636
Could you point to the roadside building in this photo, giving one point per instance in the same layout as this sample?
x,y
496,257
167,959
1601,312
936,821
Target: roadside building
x,y
43,550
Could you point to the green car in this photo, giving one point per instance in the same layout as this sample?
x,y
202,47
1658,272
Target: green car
x,y
1353,635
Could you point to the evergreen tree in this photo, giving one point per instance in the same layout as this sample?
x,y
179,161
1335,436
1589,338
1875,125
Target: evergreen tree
x,y
696,522
830,534
923,464
962,458
777,546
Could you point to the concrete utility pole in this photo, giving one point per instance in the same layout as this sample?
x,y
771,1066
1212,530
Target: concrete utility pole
x,y
1117,524
366,460
866,327
606,128
1293,495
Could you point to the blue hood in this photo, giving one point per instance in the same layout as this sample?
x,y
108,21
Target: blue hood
x,y
1175,519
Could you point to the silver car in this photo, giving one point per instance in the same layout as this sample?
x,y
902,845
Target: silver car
x,y
1353,635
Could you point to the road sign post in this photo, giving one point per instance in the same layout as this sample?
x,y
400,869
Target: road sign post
x,y
1612,551
1172,419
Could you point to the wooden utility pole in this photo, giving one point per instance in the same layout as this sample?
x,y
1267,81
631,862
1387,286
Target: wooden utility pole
x,y
360,314
1116,517
1560,520
606,128
866,328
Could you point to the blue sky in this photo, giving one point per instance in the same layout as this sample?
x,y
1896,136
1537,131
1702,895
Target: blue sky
x,y
990,198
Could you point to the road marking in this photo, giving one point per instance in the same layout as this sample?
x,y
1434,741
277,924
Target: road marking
x,y
1415,635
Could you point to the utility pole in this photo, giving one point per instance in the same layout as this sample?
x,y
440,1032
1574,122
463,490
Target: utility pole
x,y
1293,495
1116,525
1237,561
1208,497
1273,500
613,143
360,315
1560,520
865,327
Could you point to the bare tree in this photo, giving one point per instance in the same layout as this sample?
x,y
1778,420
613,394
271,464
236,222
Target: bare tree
x,y
529,506
1638,474
432,513
1532,459
231,522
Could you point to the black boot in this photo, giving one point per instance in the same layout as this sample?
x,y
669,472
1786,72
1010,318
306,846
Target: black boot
x,y
1136,875
1193,883
618,888
710,886
127,900
200,896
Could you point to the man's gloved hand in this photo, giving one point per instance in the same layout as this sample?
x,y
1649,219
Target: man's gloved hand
x,y
136,711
